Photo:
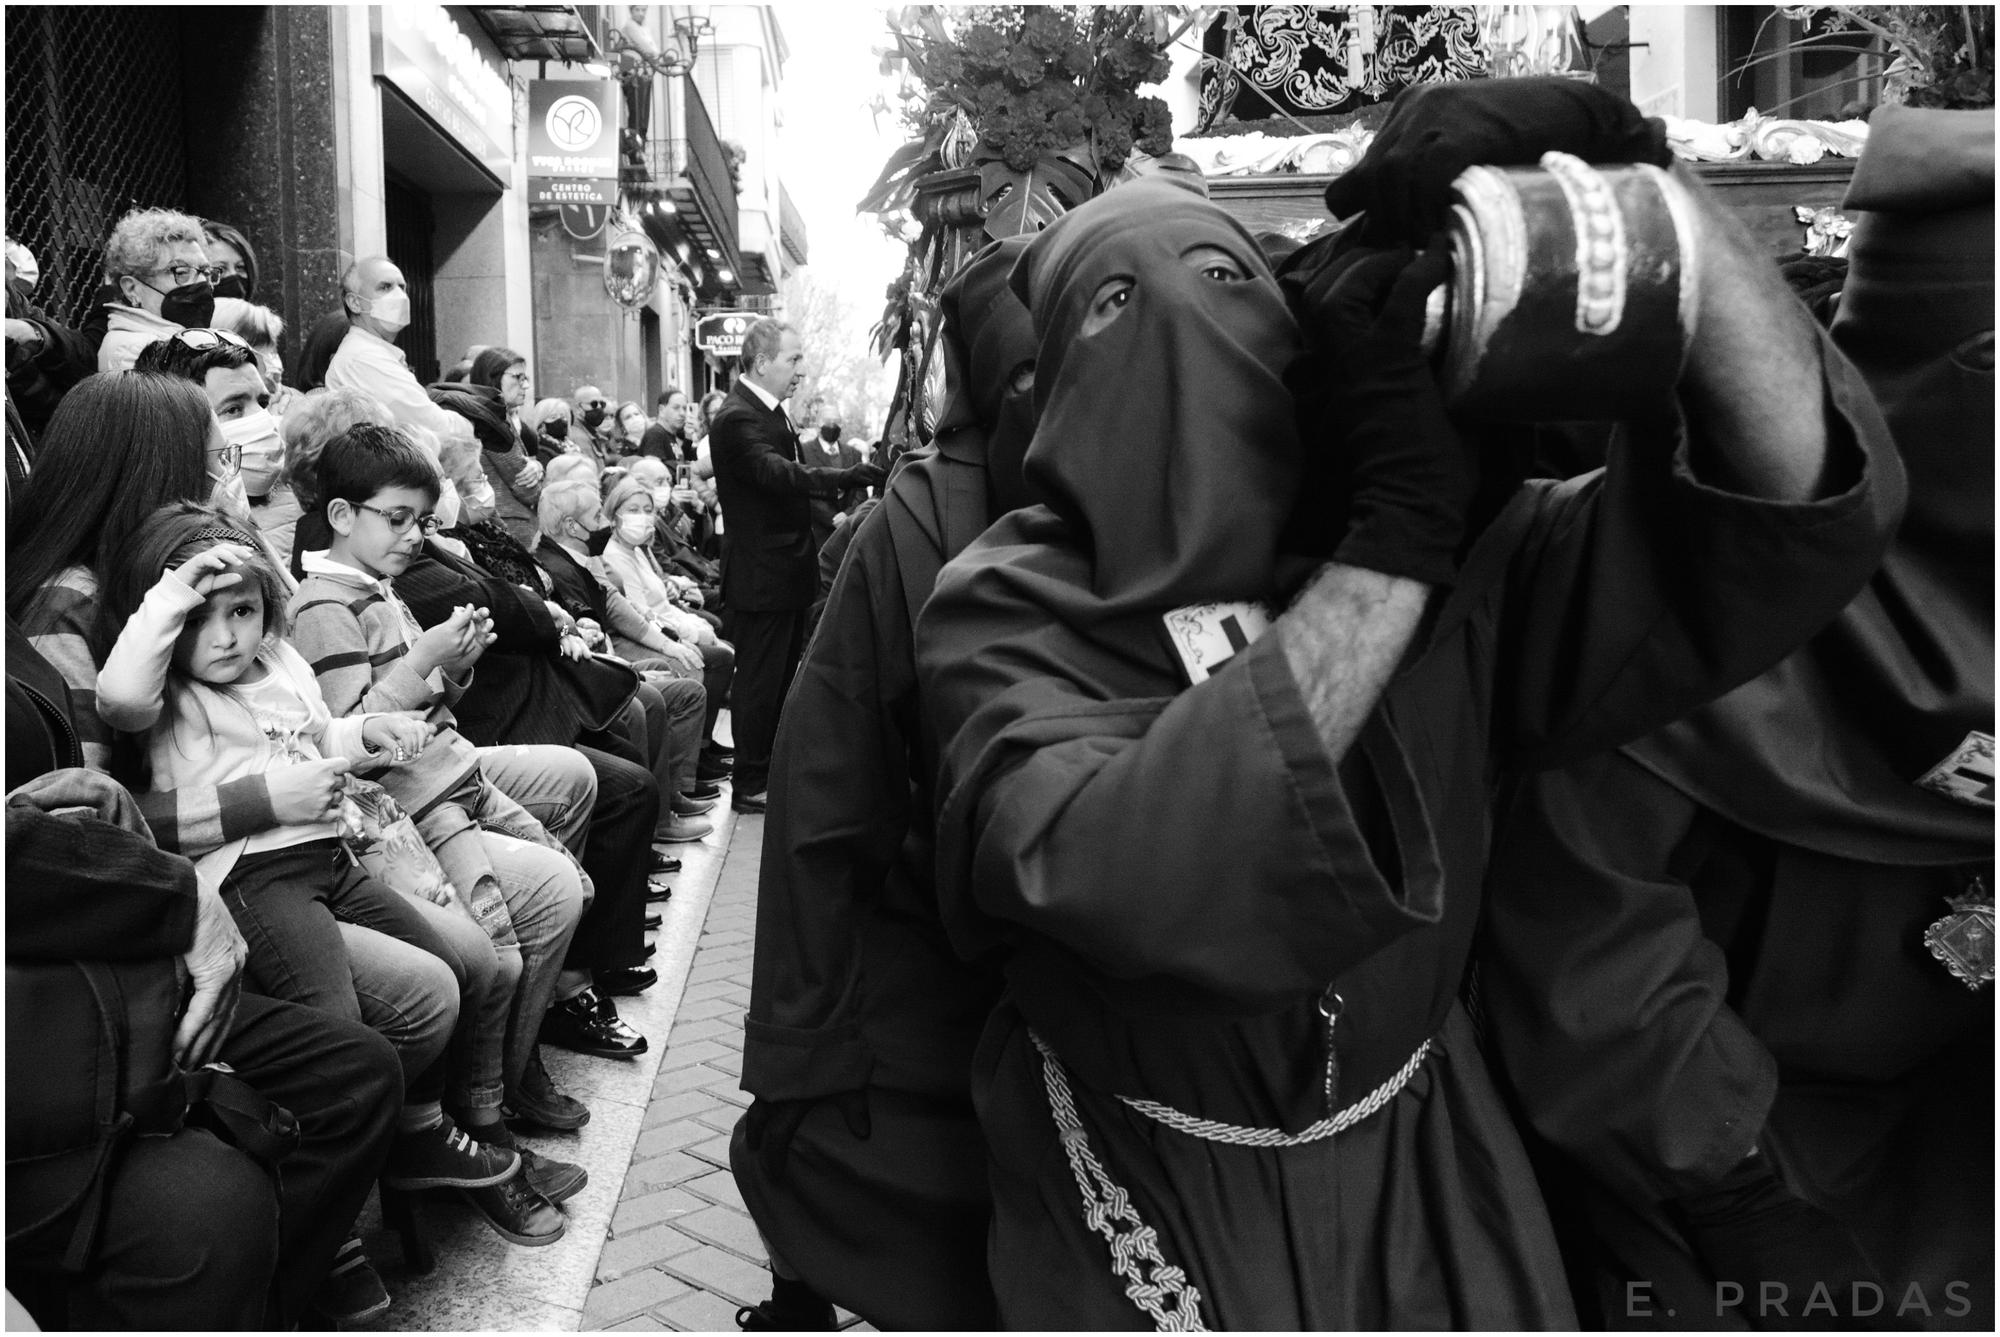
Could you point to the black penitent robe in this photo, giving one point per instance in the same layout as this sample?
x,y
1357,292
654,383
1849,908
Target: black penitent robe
x,y
854,986
1176,876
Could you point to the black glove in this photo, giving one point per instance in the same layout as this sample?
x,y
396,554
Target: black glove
x,y
1437,131
862,475
1411,476
1750,1229
770,1125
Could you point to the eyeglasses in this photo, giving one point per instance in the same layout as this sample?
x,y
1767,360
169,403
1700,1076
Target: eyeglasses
x,y
597,404
400,519
516,376
229,457
184,273
200,341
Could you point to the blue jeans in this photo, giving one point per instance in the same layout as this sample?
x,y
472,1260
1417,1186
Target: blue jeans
x,y
326,936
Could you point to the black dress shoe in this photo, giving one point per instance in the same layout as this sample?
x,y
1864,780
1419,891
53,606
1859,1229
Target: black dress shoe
x,y
751,803
651,947
589,1024
703,792
625,980
652,921
707,772
664,863
657,890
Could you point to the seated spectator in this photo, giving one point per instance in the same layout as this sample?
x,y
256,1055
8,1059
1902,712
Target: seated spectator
x,y
228,372
234,261
469,803
548,421
199,673
665,438
505,370
323,340
677,510
261,328
590,430
491,403
119,446
571,514
629,425
569,468
178,1218
378,309
44,357
156,261
318,417
631,569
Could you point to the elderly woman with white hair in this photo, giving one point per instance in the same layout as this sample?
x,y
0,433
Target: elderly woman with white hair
x,y
570,513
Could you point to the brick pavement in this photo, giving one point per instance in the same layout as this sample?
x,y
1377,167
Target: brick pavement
x,y
681,1253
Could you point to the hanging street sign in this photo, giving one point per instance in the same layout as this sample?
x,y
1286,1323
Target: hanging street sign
x,y
721,335
572,141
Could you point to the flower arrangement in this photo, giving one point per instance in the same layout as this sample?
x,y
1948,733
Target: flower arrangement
x,y
1943,54
1038,79
1042,101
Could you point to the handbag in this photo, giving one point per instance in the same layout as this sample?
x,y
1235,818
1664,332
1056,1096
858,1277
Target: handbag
x,y
602,685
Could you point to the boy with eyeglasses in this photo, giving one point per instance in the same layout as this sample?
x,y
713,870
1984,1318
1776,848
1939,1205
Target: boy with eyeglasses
x,y
369,653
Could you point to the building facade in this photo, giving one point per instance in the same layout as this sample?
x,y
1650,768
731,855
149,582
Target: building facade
x,y
329,133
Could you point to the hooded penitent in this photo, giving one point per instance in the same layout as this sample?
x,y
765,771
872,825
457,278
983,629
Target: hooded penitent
x,y
1165,441
988,338
1824,750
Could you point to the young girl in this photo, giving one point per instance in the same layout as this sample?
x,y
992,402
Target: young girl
x,y
200,670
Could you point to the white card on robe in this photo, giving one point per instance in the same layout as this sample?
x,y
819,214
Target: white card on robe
x,y
1966,776
1207,636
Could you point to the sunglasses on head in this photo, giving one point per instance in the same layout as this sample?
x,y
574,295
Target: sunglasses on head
x,y
200,341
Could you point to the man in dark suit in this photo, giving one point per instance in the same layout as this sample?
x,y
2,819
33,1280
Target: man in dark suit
x,y
820,447
769,574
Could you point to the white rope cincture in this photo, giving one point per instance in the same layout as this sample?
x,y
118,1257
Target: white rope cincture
x,y
1237,1135
1150,1280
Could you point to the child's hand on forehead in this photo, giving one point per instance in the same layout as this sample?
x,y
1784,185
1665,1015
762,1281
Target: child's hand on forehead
x,y
207,572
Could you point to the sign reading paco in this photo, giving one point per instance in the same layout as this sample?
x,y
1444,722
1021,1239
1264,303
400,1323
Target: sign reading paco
x,y
721,335
572,142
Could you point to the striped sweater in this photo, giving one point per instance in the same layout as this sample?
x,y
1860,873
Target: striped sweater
x,y
60,622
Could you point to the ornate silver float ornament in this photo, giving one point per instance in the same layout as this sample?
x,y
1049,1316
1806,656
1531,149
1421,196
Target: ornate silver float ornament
x,y
1573,291
631,269
1963,940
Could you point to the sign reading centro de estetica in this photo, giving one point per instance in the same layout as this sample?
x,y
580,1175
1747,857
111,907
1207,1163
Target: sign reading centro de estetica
x,y
572,141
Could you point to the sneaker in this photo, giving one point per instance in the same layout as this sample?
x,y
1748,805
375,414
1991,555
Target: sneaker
x,y
692,807
553,1179
539,1101
444,1157
519,1213
681,830
352,1291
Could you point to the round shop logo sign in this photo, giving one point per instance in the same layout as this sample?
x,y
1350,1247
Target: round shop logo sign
x,y
573,123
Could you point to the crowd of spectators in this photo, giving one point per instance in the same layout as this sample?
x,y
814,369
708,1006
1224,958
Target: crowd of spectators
x,y
265,623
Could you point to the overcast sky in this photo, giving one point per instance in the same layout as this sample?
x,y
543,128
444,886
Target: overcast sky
x,y
830,152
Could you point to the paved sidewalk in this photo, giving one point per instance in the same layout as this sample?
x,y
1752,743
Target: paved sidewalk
x,y
682,1253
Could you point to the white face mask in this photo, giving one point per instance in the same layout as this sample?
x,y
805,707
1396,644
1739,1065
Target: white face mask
x,y
229,496
391,308
263,450
448,506
663,495
636,530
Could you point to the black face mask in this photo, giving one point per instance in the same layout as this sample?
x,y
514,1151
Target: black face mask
x,y
830,435
191,306
233,285
598,540
592,417
556,429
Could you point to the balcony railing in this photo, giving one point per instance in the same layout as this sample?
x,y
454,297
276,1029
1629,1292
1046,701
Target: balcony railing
x,y
791,228
693,171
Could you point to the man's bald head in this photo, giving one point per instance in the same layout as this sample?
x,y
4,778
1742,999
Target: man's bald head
x,y
375,295
590,405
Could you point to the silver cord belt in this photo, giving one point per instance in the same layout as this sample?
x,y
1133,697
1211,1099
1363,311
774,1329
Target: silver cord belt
x,y
1237,1135
1151,1282
1160,1290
